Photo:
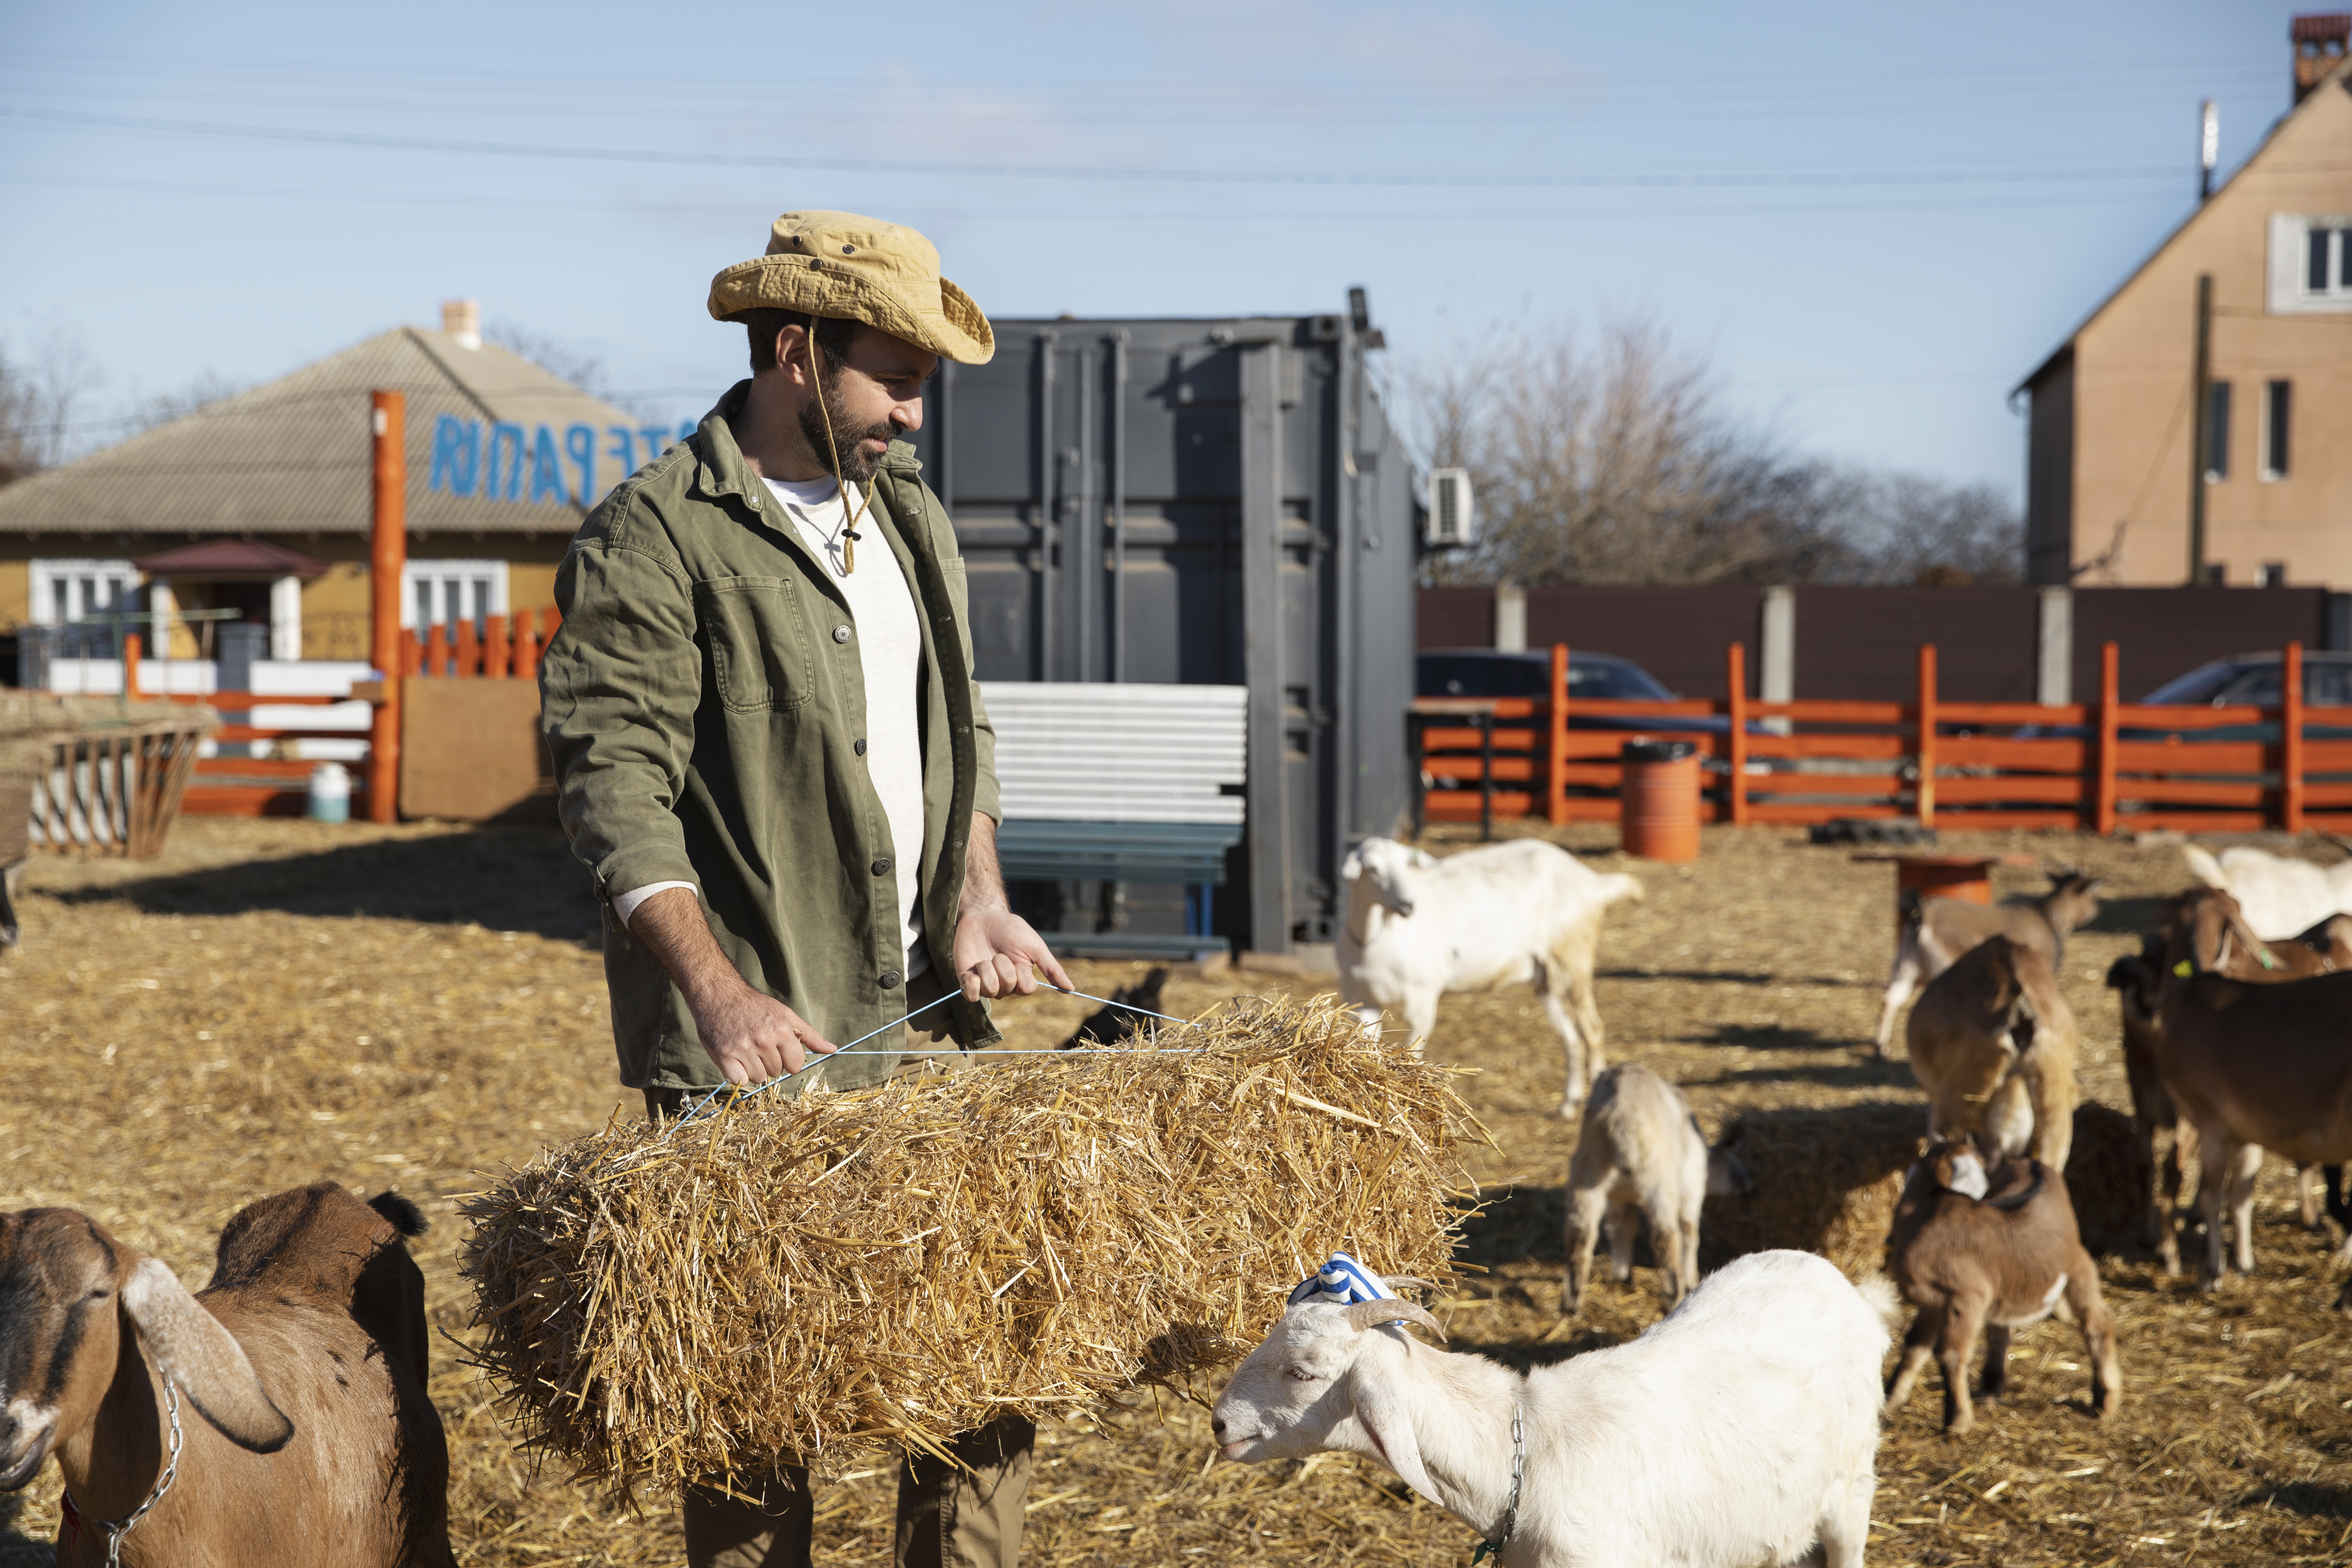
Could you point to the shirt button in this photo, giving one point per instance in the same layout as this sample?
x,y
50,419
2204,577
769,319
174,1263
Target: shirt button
x,y
857,746
882,867
889,980
841,634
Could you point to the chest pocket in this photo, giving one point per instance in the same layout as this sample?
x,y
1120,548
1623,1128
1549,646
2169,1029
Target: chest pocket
x,y
760,652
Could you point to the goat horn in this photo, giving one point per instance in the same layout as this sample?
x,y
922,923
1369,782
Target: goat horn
x,y
1362,1315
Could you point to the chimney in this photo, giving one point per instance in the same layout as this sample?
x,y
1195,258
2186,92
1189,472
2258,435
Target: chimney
x,y
462,319
2320,43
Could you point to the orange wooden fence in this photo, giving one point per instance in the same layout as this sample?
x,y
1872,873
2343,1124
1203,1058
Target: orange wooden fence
x,y
2099,765
275,786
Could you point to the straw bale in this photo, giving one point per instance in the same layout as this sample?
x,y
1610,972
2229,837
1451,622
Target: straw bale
x,y
835,1273
1826,1181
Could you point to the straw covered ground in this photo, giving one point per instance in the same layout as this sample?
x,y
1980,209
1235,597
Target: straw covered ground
x,y
423,1008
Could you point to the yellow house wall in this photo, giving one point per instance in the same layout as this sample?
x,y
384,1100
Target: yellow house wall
x,y
2135,366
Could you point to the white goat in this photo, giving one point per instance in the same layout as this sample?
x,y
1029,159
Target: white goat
x,y
2279,897
1641,1155
1741,1429
1419,927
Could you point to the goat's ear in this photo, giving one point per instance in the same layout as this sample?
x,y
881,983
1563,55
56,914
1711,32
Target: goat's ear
x,y
193,1350
1381,1411
1968,1173
1353,866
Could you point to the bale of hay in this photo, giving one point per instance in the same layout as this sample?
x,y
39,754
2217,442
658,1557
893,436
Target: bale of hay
x,y
1826,1181
2108,1177
827,1275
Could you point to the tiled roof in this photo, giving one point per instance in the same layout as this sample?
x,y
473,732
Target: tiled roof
x,y
293,457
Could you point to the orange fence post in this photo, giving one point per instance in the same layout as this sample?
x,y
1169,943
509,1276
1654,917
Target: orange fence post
x,y
436,649
1735,744
388,566
2102,807
526,644
1925,795
130,650
2290,739
497,648
412,655
468,653
1556,791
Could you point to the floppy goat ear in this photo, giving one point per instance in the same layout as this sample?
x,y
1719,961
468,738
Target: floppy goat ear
x,y
1381,1411
193,1350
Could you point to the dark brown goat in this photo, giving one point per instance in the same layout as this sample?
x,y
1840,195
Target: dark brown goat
x,y
2203,930
1992,1250
1944,929
308,1435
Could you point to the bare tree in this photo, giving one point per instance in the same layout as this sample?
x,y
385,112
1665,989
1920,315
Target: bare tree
x,y
40,391
1617,463
163,407
564,362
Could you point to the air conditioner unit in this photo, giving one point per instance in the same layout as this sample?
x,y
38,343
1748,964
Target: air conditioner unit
x,y
1453,517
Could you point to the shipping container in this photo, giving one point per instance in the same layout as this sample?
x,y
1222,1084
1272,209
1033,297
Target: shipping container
x,y
1201,501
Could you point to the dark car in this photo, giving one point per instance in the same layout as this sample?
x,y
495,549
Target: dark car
x,y
2242,681
1592,676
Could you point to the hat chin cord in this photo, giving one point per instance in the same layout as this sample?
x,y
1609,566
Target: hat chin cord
x,y
850,519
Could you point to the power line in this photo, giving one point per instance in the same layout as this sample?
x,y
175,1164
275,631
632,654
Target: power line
x,y
1735,179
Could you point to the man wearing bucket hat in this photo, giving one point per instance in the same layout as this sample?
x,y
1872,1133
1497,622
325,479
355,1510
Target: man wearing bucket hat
x,y
774,757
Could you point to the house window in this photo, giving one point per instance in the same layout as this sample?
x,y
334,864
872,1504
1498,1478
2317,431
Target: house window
x,y
65,591
2217,431
2278,406
2311,262
2271,574
444,592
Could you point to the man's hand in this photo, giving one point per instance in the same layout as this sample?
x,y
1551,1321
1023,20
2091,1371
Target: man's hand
x,y
752,1036
994,951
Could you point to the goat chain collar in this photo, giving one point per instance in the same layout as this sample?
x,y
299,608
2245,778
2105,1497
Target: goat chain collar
x,y
117,1528
1493,1546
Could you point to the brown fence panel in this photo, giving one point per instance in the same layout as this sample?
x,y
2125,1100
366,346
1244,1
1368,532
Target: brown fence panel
x,y
1453,618
1862,644
2167,632
1676,634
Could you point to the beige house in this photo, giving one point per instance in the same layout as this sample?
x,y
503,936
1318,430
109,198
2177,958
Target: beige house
x,y
260,503
2115,440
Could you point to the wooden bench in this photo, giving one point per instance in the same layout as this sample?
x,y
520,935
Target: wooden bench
x,y
1121,784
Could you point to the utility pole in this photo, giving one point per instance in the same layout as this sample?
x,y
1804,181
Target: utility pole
x,y
2200,422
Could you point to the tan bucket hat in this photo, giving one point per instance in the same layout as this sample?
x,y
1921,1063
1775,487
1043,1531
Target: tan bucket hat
x,y
860,270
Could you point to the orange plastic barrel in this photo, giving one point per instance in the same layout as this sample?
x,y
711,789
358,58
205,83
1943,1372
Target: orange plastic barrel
x,y
1659,800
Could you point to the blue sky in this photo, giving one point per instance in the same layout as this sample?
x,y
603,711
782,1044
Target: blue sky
x,y
1875,218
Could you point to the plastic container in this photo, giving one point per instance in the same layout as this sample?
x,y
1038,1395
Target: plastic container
x,y
331,794
1659,800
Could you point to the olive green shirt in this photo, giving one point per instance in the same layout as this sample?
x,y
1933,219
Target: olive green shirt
x,y
705,707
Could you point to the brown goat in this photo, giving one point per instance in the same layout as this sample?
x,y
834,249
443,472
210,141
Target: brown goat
x,y
2255,1067
1993,1042
309,1436
1933,941
1994,1251
2204,929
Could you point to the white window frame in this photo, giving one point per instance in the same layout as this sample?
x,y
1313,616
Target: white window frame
x,y
49,572
443,573
2290,261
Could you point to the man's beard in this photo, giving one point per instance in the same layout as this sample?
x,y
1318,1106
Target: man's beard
x,y
855,467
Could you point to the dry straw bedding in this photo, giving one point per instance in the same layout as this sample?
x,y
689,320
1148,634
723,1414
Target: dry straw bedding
x,y
823,1275
422,1009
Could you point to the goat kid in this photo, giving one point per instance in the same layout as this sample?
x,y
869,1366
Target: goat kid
x,y
1932,941
1991,1251
305,1360
1992,1041
1740,1429
2279,895
1419,927
1640,1155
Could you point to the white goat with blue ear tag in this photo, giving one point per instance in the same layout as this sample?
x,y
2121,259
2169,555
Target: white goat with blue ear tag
x,y
1742,1429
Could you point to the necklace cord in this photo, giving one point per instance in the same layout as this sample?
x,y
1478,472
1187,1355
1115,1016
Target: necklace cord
x,y
849,519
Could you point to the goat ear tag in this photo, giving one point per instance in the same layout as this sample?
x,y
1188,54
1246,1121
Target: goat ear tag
x,y
2184,969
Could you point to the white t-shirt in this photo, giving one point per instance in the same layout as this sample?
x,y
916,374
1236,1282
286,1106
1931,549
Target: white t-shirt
x,y
888,640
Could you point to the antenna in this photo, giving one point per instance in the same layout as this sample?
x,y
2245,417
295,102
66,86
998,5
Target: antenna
x,y
2209,148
